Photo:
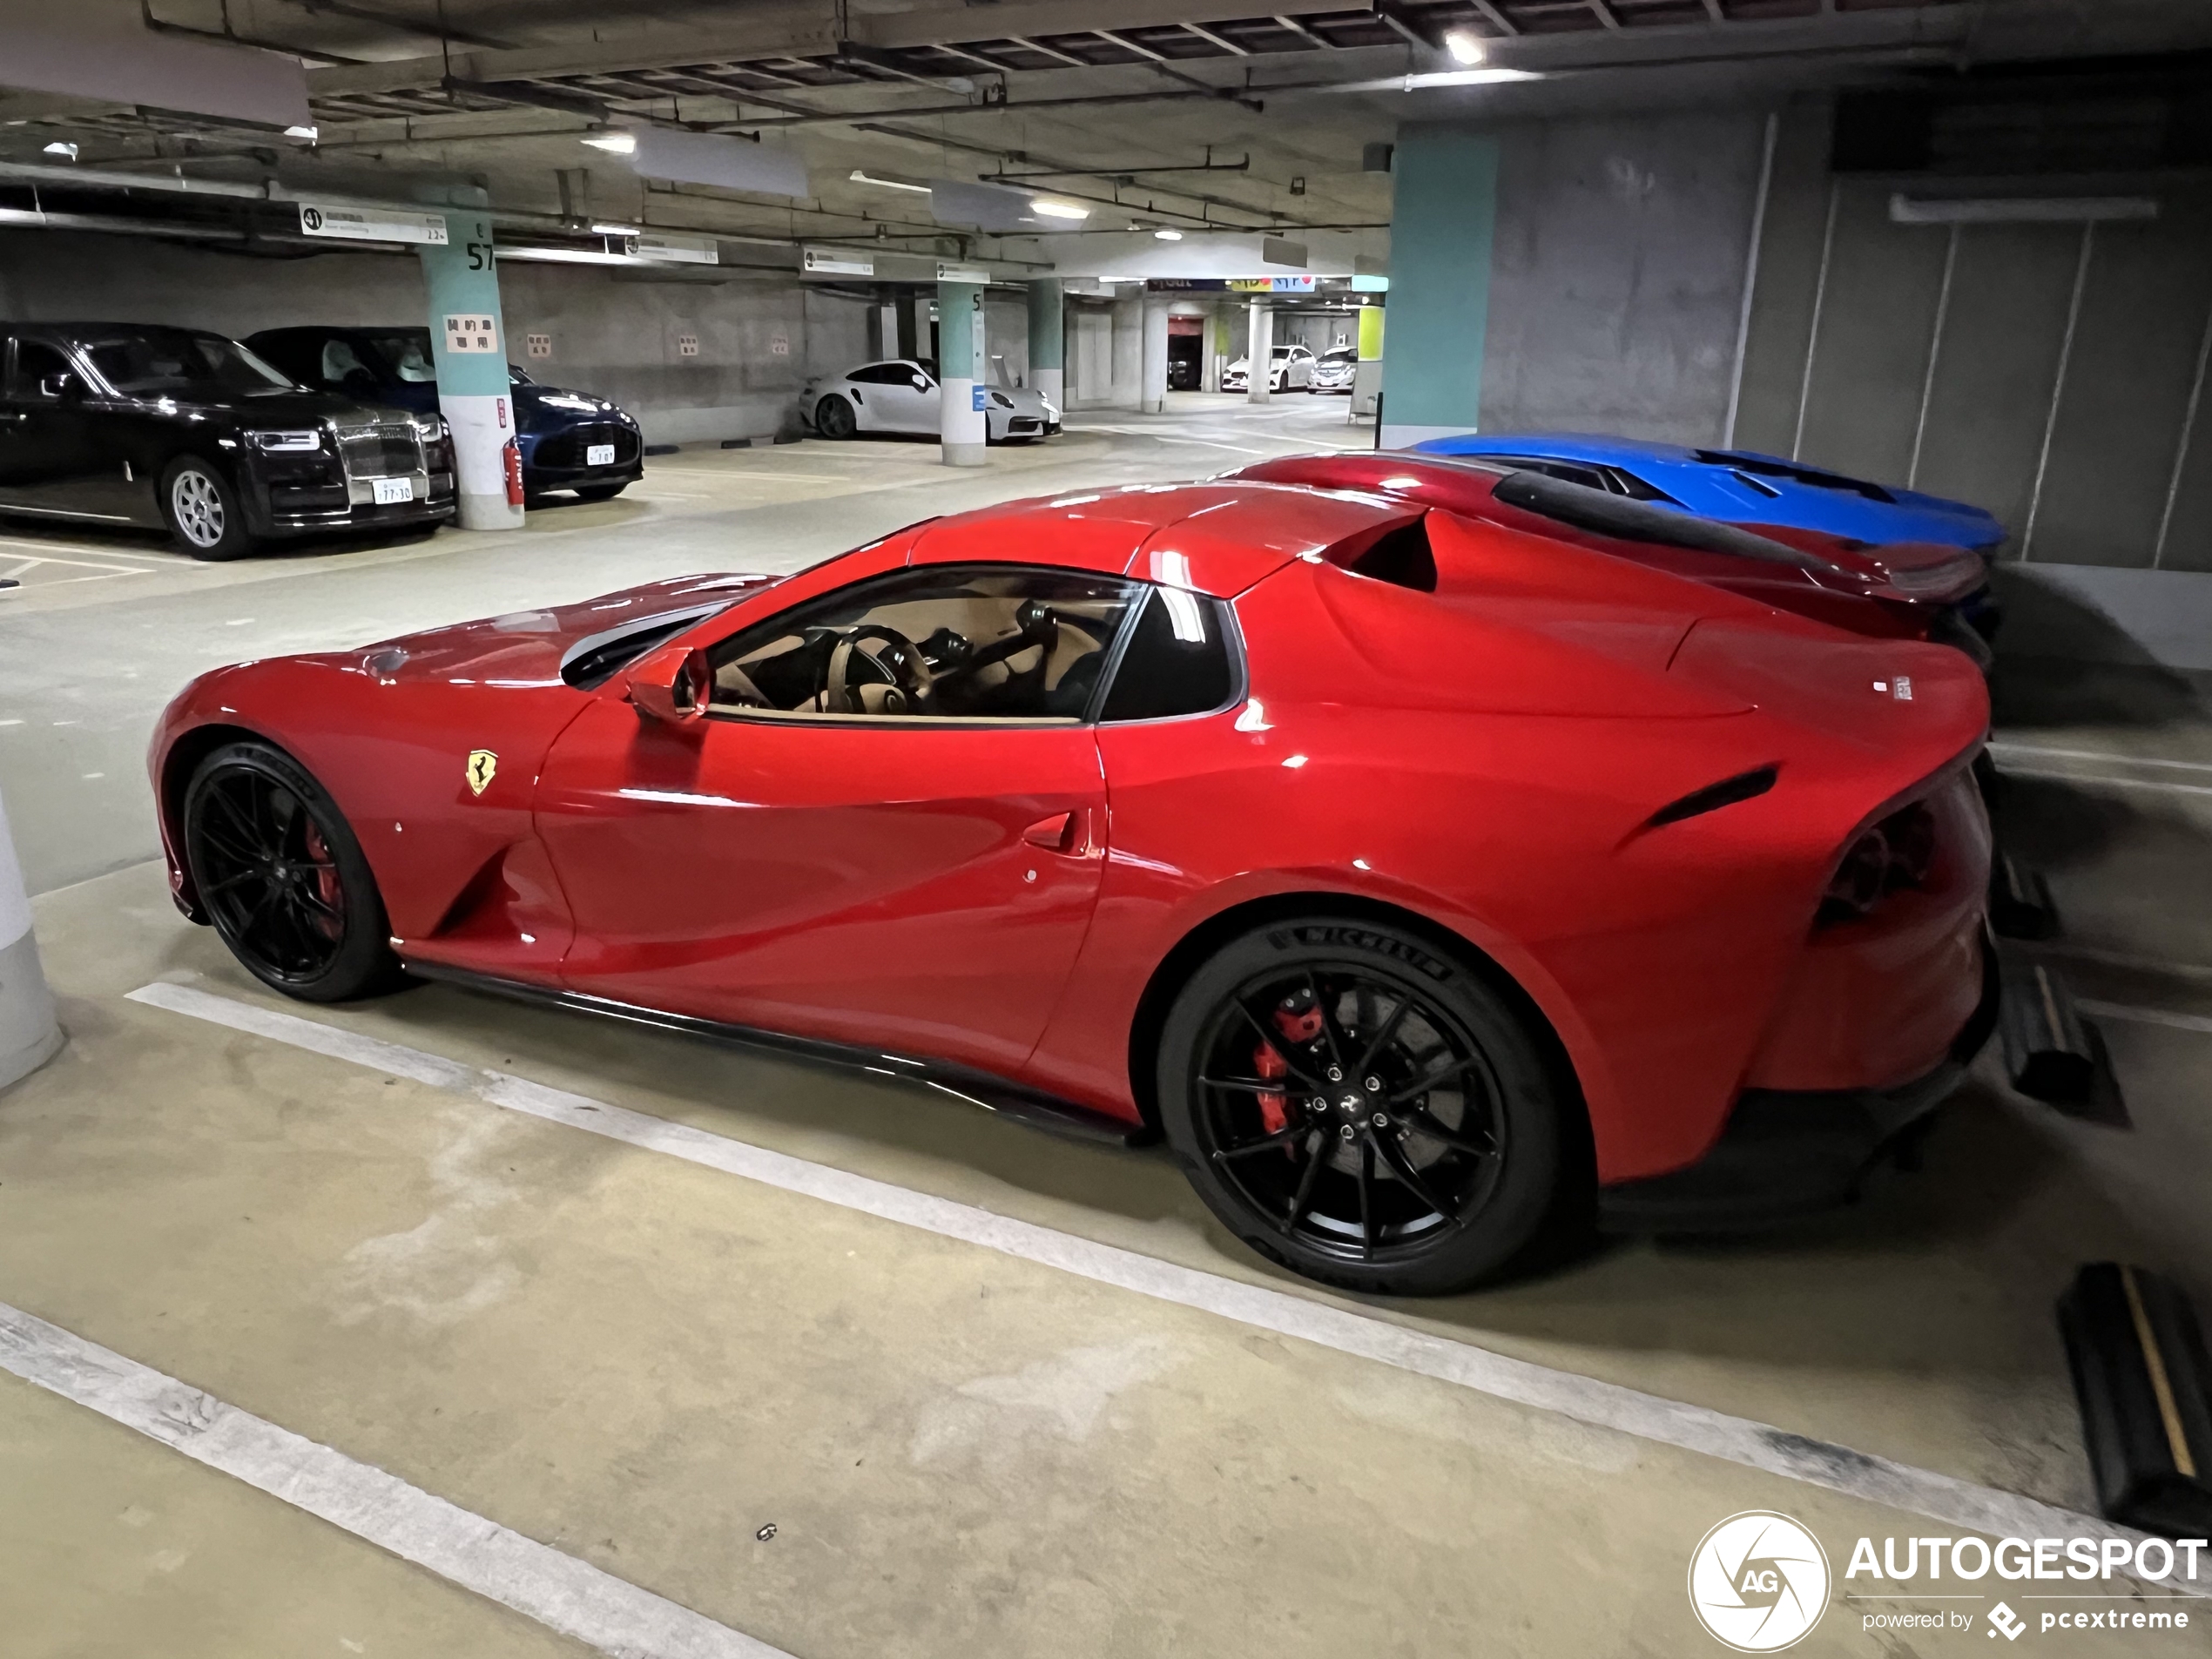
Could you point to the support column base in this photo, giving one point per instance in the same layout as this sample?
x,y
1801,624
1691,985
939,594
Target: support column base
x,y
489,513
964,454
29,1036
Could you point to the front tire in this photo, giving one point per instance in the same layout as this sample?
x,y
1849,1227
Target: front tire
x,y
203,510
1360,1109
280,872
834,418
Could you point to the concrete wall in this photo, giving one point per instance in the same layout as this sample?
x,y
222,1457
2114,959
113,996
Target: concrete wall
x,y
1617,273
611,333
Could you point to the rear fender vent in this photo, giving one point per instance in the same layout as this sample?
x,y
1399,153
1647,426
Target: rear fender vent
x,y
1745,786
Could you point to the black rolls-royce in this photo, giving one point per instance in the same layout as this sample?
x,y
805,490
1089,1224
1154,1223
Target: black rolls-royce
x,y
139,424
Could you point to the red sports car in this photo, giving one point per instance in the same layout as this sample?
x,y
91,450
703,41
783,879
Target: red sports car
x,y
1412,876
1901,590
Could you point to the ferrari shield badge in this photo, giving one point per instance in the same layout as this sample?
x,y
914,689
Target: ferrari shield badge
x,y
483,762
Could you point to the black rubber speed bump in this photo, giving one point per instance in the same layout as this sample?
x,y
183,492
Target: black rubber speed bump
x,y
2050,1051
2141,1377
2019,900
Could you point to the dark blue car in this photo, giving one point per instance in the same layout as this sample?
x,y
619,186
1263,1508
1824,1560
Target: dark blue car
x,y
569,439
1737,487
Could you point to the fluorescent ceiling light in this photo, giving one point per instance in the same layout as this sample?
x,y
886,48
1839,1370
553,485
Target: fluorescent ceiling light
x,y
307,134
1052,209
614,143
2019,210
1486,77
67,151
615,230
1465,47
1169,236
861,176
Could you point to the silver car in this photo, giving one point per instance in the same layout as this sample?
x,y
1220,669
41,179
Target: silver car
x,y
1289,369
1333,370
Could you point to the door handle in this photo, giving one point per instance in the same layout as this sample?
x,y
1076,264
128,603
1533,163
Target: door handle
x,y
1068,834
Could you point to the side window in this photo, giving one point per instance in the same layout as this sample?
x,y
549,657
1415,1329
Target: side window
x,y
340,364
37,363
1178,660
944,642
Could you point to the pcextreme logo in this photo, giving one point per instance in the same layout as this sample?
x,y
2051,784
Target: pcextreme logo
x,y
1758,1581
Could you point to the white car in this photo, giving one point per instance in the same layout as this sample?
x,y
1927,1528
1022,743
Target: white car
x,y
1289,367
901,395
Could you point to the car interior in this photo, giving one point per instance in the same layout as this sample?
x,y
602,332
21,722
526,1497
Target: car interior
x,y
952,643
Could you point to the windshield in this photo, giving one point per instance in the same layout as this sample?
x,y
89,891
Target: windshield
x,y
406,354
155,361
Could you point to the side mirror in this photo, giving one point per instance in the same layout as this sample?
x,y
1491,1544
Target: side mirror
x,y
671,684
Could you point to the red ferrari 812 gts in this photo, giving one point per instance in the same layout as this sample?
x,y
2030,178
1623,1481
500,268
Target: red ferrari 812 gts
x,y
1419,879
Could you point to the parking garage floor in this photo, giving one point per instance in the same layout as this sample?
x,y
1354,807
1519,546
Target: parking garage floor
x,y
843,1368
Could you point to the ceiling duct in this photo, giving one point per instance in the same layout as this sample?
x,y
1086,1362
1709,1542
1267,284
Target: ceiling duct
x,y
57,48
712,160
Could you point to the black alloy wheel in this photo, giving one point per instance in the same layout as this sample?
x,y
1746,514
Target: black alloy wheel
x,y
834,418
279,874
1360,1109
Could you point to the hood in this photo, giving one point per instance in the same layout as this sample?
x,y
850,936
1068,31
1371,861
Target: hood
x,y
1026,399
528,648
300,408
537,404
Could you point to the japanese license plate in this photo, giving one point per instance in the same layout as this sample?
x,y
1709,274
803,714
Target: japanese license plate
x,y
388,490
599,455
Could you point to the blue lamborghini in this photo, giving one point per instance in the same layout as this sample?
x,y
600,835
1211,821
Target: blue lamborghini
x,y
1736,486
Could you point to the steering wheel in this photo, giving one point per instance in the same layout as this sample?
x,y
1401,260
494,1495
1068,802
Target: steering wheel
x,y
1035,624
902,681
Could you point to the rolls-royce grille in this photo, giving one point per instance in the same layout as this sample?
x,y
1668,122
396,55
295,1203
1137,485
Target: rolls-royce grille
x,y
381,451
572,447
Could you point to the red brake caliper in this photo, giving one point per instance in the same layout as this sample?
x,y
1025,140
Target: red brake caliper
x,y
327,888
1274,1107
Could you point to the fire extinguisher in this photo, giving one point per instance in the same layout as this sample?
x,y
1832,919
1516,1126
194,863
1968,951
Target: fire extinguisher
x,y
514,457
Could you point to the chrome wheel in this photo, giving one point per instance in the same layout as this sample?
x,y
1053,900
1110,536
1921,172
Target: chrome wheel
x,y
196,503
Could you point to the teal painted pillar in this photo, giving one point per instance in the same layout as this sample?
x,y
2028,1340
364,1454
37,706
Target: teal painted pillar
x,y
961,426
1048,341
1443,220
469,341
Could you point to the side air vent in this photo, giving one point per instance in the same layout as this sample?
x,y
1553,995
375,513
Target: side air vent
x,y
1745,786
1401,557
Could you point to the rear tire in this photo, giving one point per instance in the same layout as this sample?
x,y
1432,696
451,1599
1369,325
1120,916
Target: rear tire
x,y
203,510
834,418
281,875
1465,1167
601,492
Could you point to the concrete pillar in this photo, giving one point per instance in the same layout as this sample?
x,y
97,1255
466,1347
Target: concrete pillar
x,y
1048,341
468,340
884,325
961,426
29,1036
1154,397
1129,351
1443,221
1259,353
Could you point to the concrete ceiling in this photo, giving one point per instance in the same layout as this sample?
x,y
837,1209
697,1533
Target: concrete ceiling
x,y
1209,116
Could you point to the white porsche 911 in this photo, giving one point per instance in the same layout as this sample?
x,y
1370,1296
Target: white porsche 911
x,y
902,396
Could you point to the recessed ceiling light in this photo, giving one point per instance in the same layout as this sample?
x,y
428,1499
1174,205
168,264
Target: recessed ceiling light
x,y
861,176
614,143
1052,209
1465,47
1169,236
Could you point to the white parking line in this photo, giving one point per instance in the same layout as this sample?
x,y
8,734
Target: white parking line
x,y
1585,1399
536,1579
2144,1016
2157,785
2001,749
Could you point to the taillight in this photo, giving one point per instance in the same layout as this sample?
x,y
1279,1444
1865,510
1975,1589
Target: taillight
x,y
1895,853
